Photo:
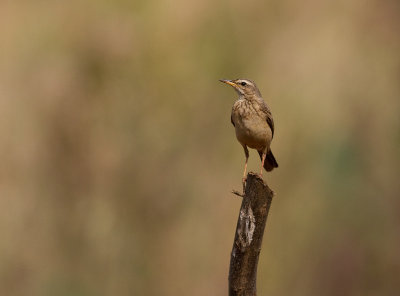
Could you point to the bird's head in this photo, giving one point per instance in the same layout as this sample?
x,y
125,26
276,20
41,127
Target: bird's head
x,y
243,87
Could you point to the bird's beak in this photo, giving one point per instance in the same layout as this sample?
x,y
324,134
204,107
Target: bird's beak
x,y
230,82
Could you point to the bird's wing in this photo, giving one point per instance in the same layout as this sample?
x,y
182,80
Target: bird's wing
x,y
270,120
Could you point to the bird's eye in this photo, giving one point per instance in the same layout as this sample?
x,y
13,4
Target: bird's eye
x,y
243,83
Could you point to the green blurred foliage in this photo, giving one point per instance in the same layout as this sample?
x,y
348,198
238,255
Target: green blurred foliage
x,y
118,155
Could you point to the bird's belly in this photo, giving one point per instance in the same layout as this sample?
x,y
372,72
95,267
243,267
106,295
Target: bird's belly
x,y
254,133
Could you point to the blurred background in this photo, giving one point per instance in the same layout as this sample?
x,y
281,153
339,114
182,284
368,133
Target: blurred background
x,y
118,155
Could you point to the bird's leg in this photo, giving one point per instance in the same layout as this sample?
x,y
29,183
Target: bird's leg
x,y
262,163
245,170
246,152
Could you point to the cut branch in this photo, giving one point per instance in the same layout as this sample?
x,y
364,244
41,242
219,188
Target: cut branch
x,y
248,237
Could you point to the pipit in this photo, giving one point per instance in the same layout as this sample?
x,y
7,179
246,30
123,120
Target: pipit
x,y
253,123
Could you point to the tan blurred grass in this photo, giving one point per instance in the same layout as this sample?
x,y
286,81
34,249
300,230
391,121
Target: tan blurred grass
x,y
118,155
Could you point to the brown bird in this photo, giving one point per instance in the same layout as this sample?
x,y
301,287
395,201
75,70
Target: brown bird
x,y
253,123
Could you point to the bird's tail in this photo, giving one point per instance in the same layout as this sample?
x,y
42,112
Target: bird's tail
x,y
270,161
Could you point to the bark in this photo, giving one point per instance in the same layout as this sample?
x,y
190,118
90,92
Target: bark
x,y
248,237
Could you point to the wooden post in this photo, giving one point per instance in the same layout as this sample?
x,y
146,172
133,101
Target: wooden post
x,y
248,237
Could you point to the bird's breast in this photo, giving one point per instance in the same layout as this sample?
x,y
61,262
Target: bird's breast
x,y
251,126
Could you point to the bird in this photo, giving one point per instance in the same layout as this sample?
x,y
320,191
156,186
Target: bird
x,y
253,122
